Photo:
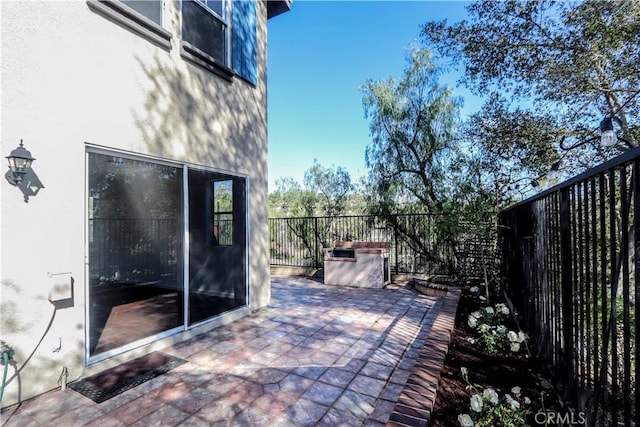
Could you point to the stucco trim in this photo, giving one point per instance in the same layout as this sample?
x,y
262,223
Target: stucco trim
x,y
132,20
198,57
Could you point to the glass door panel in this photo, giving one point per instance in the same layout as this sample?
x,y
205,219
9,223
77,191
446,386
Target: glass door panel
x,y
135,250
217,244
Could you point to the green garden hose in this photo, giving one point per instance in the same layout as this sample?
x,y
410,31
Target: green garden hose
x,y
7,354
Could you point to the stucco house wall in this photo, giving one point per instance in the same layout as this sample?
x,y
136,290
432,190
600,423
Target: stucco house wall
x,y
71,79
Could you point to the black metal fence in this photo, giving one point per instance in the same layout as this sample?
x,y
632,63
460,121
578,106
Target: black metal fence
x,y
420,243
133,250
572,262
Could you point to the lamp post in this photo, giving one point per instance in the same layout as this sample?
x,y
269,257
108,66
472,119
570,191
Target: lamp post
x,y
20,161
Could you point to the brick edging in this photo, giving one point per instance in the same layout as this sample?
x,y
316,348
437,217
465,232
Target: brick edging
x,y
416,400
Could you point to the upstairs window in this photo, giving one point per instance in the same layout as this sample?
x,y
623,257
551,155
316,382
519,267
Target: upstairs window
x,y
205,27
152,9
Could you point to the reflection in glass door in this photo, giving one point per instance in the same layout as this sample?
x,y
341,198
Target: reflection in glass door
x,y
217,244
135,250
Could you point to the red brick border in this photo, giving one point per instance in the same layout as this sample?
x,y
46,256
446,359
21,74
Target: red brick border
x,y
415,403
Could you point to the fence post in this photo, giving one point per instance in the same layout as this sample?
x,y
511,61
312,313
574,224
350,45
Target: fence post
x,y
567,289
315,235
395,240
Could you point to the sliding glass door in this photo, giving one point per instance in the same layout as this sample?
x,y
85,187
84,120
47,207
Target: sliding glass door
x,y
137,260
217,244
135,250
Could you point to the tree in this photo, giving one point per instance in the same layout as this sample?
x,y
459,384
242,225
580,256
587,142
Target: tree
x,y
415,161
413,128
576,61
332,187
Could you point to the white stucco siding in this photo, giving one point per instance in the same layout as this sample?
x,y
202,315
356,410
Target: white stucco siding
x,y
69,78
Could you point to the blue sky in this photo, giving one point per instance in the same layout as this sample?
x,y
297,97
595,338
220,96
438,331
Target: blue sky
x,y
319,55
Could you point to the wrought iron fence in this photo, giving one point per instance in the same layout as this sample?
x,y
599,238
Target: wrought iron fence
x,y
572,262
420,243
133,249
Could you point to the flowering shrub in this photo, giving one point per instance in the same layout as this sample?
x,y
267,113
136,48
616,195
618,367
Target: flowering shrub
x,y
492,334
489,409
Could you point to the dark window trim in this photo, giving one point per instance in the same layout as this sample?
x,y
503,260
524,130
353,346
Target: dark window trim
x,y
132,20
198,57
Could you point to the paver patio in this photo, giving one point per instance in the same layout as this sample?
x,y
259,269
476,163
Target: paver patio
x,y
318,355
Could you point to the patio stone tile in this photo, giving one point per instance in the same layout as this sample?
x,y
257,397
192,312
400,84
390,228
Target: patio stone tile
x,y
76,417
220,410
268,376
191,373
311,372
171,391
131,412
275,403
295,384
165,416
336,418
317,356
194,400
400,376
391,392
324,358
51,407
305,412
221,383
194,422
337,377
367,385
245,392
359,405
104,421
383,409
377,370
19,420
323,393
349,364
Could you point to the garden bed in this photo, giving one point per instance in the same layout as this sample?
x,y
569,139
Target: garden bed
x,y
500,372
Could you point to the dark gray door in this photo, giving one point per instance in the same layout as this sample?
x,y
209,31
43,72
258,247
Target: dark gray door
x,y
217,244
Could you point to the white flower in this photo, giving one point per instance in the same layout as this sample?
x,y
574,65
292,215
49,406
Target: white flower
x,y
489,310
484,327
515,347
476,403
502,308
512,336
465,420
472,322
527,401
521,336
491,395
482,298
501,329
516,390
510,400
471,340
475,289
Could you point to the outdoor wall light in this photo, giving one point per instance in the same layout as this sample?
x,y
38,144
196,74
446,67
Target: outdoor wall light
x,y
20,161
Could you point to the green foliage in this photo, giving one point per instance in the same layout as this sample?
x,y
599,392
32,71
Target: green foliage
x,y
573,61
413,123
488,408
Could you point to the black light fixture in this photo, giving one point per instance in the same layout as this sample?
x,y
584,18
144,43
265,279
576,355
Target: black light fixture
x,y
20,161
607,138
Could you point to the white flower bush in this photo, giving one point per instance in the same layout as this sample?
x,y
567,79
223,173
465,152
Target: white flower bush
x,y
492,334
488,409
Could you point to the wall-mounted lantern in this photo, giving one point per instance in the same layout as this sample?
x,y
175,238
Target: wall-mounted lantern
x,y
20,161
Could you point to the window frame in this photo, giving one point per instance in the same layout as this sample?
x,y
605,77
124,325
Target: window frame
x,y
134,21
199,57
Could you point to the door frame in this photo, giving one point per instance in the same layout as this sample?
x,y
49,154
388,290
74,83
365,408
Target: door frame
x,y
90,360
